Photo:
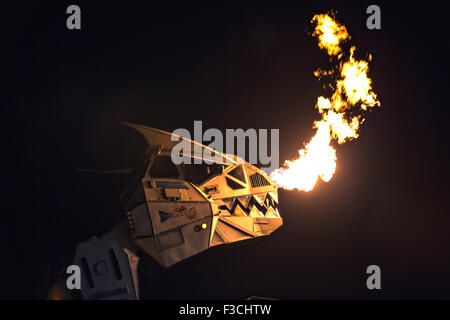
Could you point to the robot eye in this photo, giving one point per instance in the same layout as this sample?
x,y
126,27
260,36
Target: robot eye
x,y
201,227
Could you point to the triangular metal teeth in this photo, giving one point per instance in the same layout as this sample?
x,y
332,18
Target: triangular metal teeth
x,y
245,205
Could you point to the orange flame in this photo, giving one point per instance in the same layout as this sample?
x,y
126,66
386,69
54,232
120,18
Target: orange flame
x,y
352,90
330,33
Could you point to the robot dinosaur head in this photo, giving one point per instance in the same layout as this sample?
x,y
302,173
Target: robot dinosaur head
x,y
177,211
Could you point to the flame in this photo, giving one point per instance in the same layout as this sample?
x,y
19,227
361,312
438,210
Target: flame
x,y
330,33
352,91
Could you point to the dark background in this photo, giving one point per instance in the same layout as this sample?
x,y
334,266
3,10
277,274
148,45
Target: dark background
x,y
231,65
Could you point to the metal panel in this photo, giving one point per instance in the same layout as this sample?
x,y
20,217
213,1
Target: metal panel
x,y
150,247
170,239
105,271
170,184
195,241
140,221
232,233
180,213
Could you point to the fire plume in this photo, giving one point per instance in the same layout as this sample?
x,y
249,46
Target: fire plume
x,y
352,93
330,33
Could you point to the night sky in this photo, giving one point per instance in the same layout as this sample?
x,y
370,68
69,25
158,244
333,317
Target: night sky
x,y
230,65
